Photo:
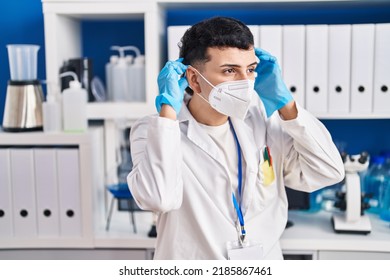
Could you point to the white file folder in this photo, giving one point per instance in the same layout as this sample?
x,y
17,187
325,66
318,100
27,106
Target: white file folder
x,y
175,33
23,192
339,68
382,69
294,61
6,213
271,41
47,192
68,170
317,68
362,68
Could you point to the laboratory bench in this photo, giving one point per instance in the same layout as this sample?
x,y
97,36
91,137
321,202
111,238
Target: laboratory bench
x,y
312,237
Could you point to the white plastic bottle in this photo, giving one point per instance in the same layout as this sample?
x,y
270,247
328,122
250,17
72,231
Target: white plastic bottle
x,y
74,106
109,78
120,87
137,77
52,113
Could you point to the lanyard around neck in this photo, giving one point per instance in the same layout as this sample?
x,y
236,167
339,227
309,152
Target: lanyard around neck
x,y
237,205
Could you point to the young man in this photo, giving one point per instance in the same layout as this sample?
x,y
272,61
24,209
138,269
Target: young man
x,y
228,138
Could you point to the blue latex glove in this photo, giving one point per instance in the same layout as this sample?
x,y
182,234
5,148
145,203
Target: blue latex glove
x,y
171,86
269,84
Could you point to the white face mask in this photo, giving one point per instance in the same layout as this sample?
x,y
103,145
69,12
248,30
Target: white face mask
x,y
230,98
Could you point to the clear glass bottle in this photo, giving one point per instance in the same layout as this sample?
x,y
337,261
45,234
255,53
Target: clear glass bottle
x,y
384,192
373,182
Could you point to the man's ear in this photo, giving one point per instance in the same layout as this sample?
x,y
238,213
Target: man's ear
x,y
192,79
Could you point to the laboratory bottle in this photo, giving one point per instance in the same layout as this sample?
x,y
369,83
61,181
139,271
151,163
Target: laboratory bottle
x,y
52,113
120,84
384,192
373,182
109,79
74,106
137,75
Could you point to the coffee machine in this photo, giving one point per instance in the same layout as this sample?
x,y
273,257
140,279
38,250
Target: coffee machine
x,y
23,104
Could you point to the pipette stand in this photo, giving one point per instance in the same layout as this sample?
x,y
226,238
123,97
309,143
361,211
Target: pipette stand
x,y
353,220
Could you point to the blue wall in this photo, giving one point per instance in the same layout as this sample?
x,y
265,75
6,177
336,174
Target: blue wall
x,y
21,21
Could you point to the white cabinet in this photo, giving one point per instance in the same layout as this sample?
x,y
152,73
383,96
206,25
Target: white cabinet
x,y
89,184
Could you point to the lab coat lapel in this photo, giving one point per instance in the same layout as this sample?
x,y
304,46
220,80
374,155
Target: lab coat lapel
x,y
198,136
251,158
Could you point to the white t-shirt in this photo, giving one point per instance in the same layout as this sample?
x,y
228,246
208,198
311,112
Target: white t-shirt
x,y
223,137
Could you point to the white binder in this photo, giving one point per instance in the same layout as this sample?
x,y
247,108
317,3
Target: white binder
x,y
339,68
46,192
175,33
382,69
6,213
68,170
317,68
294,61
362,68
271,41
23,192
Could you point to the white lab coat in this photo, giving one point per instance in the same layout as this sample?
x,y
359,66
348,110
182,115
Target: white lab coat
x,y
178,173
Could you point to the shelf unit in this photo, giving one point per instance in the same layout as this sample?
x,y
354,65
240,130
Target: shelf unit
x,y
91,181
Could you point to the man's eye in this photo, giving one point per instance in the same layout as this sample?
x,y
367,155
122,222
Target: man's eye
x,y
229,71
251,70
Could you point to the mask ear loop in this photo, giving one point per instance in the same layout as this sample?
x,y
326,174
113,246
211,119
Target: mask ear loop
x,y
207,81
201,96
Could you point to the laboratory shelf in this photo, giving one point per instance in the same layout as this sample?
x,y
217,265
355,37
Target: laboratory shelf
x,y
118,110
351,116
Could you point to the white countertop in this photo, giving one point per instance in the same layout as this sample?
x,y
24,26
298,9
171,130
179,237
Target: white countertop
x,y
314,231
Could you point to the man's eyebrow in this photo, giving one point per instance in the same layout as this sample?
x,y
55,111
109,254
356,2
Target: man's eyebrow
x,y
237,65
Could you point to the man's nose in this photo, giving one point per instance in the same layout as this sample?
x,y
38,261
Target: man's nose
x,y
243,75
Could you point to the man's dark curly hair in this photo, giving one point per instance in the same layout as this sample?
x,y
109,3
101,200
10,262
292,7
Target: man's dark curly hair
x,y
219,32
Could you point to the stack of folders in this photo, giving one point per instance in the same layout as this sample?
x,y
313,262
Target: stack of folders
x,y
330,69
39,192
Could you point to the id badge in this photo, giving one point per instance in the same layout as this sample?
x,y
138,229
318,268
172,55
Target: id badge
x,y
246,251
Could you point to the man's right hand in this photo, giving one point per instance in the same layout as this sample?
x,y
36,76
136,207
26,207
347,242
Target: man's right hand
x,y
171,86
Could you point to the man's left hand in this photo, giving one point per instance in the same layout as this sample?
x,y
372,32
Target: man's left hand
x,y
269,84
